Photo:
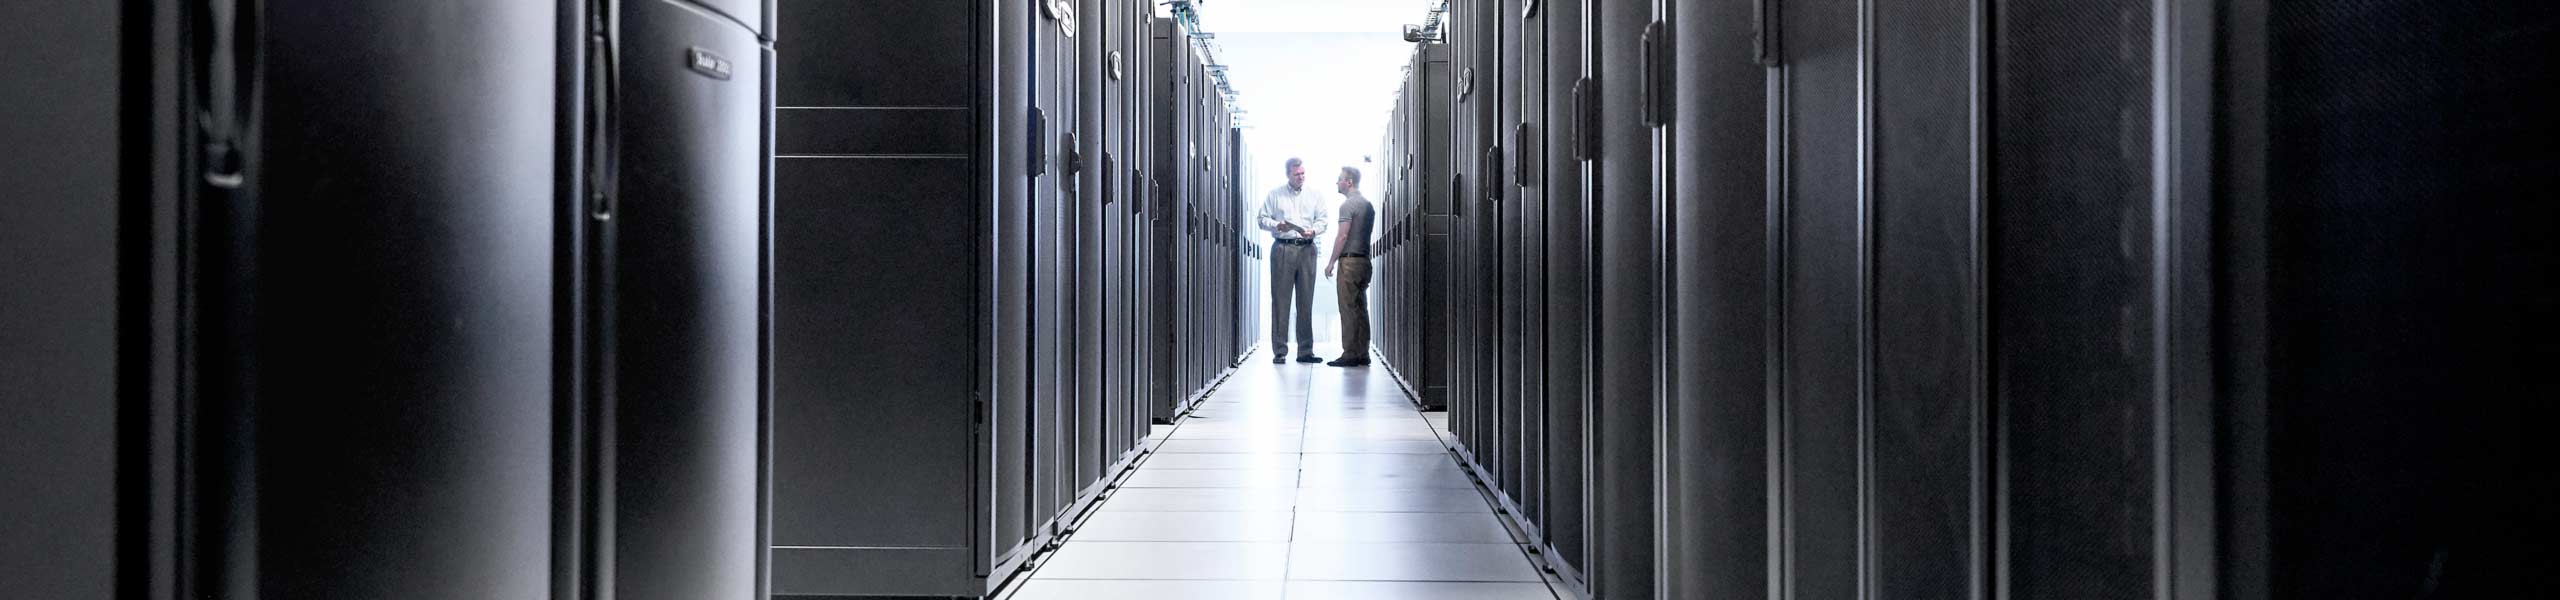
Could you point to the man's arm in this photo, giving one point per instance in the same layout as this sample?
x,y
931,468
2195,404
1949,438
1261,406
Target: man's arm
x,y
1340,237
1324,218
1269,217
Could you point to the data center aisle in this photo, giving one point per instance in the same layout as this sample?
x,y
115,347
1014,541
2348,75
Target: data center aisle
x,y
1296,481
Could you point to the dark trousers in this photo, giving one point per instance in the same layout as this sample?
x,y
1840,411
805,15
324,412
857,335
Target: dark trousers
x,y
1293,273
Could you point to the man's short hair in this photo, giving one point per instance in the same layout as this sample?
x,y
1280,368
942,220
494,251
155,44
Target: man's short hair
x,y
1293,163
1353,173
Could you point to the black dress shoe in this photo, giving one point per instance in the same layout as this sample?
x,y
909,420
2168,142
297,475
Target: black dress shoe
x,y
1343,363
1309,359
1279,361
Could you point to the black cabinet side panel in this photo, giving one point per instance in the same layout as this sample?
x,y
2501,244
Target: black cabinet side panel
x,y
384,381
689,300
872,406
2410,186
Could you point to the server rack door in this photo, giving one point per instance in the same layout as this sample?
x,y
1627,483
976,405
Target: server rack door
x,y
1050,265
2068,403
1434,110
1163,209
688,303
1926,391
1088,153
372,409
1116,127
1504,202
1622,402
1468,378
1067,101
1569,290
1012,285
1715,473
2374,278
1528,173
1823,248
887,241
1185,178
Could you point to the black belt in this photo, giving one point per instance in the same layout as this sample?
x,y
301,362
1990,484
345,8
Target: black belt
x,y
1354,255
1286,242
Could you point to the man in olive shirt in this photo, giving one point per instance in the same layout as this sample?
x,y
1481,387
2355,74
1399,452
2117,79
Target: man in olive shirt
x,y
1351,255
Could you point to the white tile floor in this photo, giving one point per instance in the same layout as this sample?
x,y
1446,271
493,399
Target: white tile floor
x,y
1294,481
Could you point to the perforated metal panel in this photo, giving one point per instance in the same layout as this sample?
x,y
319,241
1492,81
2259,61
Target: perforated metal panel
x,y
2071,290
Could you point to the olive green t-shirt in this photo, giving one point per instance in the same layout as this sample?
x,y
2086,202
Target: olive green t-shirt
x,y
1357,218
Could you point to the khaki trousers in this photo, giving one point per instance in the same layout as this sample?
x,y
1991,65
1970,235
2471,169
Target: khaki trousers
x,y
1351,291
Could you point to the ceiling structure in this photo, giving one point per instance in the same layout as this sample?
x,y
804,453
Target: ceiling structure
x,y
1316,77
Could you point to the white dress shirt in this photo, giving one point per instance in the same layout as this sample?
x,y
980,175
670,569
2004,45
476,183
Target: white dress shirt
x,y
1306,209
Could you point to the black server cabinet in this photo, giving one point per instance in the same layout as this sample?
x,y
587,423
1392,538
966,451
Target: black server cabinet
x,y
1200,260
1825,295
1526,284
1139,80
1508,202
370,414
1715,407
2403,298
2060,112
903,458
1570,271
349,298
1167,107
355,368
1055,238
678,285
1109,162
1426,133
1470,42
1617,180
1084,154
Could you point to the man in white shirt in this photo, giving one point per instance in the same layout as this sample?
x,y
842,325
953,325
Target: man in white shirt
x,y
1295,216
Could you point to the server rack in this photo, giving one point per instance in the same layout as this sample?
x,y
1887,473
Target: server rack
x,y
1571,265
1626,364
877,169
1529,128
1843,377
1420,361
1169,109
1715,403
358,327
1471,409
1506,203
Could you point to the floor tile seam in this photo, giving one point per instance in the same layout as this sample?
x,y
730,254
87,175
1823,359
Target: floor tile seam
x,y
1288,561
1526,548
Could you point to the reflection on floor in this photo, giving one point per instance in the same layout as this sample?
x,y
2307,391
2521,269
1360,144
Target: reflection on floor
x,y
1295,481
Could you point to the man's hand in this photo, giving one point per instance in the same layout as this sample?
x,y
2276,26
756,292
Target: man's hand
x,y
1328,267
1285,226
